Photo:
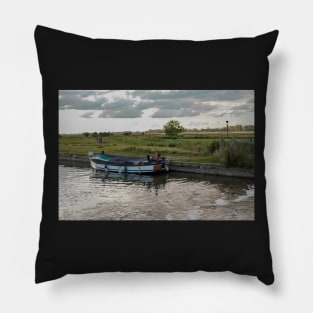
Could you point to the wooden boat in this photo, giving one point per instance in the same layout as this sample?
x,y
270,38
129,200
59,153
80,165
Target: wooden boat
x,y
121,164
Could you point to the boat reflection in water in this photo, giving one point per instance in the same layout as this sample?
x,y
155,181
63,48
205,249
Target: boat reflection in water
x,y
152,183
86,194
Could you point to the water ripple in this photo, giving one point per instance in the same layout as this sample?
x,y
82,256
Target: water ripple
x,y
88,195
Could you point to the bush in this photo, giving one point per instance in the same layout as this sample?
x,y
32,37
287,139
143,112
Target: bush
x,y
214,146
238,156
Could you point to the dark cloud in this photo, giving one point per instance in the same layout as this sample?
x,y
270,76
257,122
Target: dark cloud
x,y
169,103
247,107
208,95
119,104
78,93
142,105
176,113
125,113
87,114
77,102
172,104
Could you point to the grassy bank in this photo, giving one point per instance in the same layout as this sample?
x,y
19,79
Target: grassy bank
x,y
190,147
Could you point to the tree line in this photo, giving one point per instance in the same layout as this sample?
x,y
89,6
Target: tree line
x,y
173,128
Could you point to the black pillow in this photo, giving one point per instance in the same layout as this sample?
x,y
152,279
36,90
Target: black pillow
x,y
75,70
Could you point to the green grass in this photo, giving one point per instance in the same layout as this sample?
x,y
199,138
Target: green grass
x,y
187,148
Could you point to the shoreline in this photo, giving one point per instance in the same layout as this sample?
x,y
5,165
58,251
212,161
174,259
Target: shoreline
x,y
185,167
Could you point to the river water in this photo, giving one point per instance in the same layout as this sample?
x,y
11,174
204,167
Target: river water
x,y
85,194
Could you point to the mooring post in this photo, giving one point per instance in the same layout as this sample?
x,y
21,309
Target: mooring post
x,y
222,142
227,130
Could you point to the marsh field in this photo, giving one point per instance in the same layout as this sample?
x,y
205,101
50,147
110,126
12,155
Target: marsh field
x,y
202,147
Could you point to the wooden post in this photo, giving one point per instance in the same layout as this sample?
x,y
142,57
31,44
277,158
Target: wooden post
x,y
100,139
222,143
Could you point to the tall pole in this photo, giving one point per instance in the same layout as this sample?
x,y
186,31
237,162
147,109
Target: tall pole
x,y
226,129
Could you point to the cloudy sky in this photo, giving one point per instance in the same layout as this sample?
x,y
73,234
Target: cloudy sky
x,y
141,110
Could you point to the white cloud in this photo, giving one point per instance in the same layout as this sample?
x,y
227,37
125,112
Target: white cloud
x,y
147,109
